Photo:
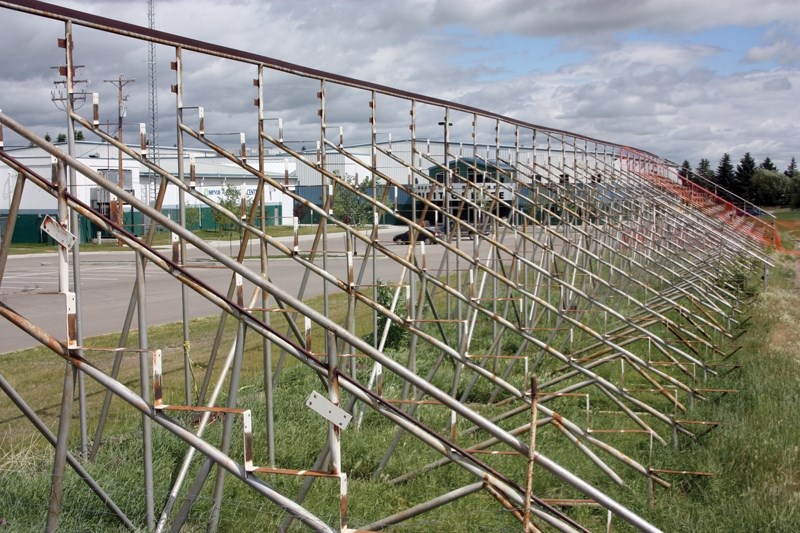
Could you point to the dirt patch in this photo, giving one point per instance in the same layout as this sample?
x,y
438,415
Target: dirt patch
x,y
792,228
781,336
788,225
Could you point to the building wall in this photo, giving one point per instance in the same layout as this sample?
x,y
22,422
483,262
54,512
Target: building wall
x,y
215,173
36,202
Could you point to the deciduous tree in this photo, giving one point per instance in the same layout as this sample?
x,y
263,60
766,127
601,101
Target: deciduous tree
x,y
232,201
348,206
769,187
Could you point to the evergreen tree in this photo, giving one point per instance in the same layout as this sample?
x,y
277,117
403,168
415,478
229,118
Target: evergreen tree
x,y
724,176
685,171
794,191
743,175
794,184
704,171
767,164
791,170
62,138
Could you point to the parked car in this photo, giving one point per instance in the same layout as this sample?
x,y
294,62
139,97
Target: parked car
x,y
405,237
463,231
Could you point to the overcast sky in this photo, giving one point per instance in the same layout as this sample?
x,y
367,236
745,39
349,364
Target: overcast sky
x,y
684,79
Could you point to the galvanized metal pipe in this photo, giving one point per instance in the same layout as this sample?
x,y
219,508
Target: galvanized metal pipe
x,y
467,462
233,400
11,222
65,414
421,508
139,404
144,392
178,66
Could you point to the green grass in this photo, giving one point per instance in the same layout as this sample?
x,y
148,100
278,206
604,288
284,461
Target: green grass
x,y
753,455
788,224
786,214
161,238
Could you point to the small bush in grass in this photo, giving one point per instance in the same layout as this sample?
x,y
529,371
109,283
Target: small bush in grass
x,y
397,336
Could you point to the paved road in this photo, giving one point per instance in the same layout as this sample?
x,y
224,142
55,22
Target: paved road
x,y
30,287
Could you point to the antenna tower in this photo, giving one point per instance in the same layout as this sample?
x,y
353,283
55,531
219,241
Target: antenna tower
x,y
152,93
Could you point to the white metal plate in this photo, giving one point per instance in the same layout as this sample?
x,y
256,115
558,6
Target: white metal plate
x,y
327,410
58,232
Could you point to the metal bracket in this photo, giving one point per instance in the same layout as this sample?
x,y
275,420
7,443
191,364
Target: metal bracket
x,y
58,232
327,410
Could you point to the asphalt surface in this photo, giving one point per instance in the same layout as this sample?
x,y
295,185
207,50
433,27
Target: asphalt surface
x,y
30,286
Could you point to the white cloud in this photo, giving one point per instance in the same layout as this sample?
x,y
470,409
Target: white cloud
x,y
659,94
577,17
782,52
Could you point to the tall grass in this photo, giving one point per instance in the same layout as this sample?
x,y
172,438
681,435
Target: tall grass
x,y
754,455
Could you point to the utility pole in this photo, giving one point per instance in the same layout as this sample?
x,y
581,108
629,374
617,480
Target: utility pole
x,y
120,83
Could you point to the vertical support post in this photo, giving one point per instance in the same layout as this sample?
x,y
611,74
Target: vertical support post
x,y
334,432
327,195
448,177
526,521
144,387
65,416
265,315
412,278
72,302
233,399
73,223
178,90
373,120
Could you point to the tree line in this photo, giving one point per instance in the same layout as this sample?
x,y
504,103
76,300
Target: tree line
x,y
762,184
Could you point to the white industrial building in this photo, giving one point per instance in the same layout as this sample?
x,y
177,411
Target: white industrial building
x,y
212,175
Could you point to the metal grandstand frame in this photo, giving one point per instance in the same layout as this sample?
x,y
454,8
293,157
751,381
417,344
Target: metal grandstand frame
x,y
592,266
